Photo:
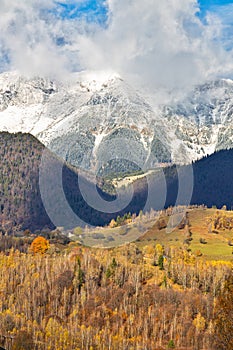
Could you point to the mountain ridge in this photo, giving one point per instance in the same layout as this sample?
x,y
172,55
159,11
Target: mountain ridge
x,y
21,189
85,120
38,189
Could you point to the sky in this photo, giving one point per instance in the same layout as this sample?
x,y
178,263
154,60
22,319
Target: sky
x,y
169,44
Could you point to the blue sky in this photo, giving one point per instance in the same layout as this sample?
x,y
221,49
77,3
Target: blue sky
x,y
208,4
224,10
92,10
214,6
96,9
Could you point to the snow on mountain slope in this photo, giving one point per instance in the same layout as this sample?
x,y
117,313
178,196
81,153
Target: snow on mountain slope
x,y
97,117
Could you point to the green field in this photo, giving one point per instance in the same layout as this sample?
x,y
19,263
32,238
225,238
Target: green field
x,y
145,231
216,246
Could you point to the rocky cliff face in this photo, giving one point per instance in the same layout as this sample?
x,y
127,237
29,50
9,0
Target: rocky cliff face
x,y
100,123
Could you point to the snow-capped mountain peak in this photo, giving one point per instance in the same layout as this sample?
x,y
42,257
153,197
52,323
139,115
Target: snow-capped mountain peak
x,y
82,119
94,81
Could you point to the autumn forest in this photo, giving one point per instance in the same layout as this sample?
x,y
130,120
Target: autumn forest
x,y
122,298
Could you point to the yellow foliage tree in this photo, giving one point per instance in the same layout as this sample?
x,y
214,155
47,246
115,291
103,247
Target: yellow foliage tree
x,y
159,249
112,223
199,322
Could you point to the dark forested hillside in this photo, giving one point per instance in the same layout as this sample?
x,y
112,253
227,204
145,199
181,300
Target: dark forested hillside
x,y
213,180
20,198
21,206
212,183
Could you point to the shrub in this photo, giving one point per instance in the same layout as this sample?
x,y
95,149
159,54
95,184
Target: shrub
x,y
202,241
171,344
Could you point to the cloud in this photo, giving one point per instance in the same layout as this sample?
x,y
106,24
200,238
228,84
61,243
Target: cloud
x,y
27,37
224,13
155,45
163,46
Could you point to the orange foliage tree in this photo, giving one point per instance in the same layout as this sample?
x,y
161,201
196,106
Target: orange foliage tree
x,y
39,245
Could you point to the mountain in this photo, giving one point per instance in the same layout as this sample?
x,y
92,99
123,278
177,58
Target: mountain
x,y
208,181
39,190
213,183
203,120
98,122
22,206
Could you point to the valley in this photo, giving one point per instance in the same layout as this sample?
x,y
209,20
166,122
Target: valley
x,y
116,175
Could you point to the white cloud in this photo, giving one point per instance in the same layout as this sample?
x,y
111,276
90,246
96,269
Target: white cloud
x,y
153,43
27,37
224,14
158,45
